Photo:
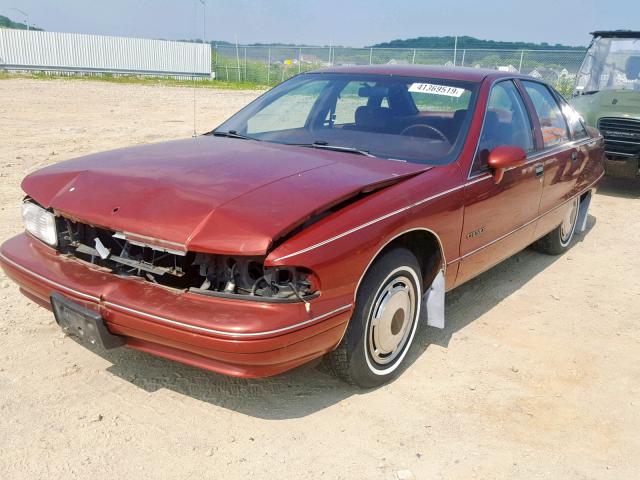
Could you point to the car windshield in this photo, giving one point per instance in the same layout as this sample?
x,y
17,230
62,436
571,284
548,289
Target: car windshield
x,y
422,120
610,64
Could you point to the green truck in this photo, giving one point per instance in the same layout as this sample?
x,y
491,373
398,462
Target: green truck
x,y
607,95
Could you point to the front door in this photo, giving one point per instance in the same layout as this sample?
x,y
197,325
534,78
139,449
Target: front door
x,y
499,219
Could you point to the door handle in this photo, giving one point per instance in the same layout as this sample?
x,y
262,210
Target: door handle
x,y
538,169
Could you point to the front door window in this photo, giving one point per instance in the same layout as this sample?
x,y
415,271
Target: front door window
x,y
505,123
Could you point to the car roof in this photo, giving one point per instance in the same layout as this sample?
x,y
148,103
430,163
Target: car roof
x,y
427,71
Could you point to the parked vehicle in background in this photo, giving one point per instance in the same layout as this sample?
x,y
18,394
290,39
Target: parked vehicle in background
x,y
327,217
607,95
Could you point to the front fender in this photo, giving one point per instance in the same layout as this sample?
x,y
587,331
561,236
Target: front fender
x,y
340,247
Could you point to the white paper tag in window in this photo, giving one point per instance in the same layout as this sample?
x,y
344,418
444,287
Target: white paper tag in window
x,y
436,89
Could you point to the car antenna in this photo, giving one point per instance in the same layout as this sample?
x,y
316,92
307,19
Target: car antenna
x,y
195,51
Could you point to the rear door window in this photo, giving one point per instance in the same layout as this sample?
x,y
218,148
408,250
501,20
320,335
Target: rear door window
x,y
552,123
287,112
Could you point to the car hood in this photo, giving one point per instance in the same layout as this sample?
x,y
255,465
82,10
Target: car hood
x,y
209,194
607,103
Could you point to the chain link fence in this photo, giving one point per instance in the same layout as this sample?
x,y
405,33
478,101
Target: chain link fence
x,y
269,65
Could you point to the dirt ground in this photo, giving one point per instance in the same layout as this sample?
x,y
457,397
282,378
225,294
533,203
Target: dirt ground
x,y
537,374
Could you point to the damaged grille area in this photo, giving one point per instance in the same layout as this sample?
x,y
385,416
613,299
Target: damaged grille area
x,y
240,277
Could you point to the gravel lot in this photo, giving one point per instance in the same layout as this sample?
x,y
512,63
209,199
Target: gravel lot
x,y
536,376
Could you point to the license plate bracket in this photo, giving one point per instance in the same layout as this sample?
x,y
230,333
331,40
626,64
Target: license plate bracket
x,y
82,323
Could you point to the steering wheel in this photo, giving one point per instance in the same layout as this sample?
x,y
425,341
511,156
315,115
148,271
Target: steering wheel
x,y
412,130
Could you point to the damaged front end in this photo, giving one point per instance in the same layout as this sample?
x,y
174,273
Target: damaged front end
x,y
238,277
234,277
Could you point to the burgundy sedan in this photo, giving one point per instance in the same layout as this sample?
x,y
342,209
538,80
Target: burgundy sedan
x,y
328,217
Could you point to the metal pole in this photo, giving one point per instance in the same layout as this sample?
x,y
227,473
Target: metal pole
x,y
464,52
204,27
413,60
195,65
238,58
521,57
455,50
204,20
370,56
269,68
245,64
299,58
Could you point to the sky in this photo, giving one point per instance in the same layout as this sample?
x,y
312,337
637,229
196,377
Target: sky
x,y
337,22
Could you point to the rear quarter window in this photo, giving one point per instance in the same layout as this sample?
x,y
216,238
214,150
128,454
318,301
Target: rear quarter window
x,y
576,125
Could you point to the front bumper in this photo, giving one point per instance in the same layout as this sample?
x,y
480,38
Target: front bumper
x,y
233,337
628,168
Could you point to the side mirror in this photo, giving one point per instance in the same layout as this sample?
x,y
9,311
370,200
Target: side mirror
x,y
504,157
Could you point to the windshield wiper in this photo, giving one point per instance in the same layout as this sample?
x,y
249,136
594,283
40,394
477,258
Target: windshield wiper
x,y
336,148
232,134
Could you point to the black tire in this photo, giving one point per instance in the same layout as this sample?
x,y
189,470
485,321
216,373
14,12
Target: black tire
x,y
558,240
393,281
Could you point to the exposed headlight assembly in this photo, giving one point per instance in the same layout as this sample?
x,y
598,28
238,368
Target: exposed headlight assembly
x,y
248,277
40,223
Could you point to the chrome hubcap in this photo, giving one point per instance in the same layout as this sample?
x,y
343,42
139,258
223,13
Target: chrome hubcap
x,y
392,318
566,228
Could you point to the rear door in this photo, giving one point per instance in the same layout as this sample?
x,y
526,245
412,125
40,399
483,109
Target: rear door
x,y
559,154
499,219
586,147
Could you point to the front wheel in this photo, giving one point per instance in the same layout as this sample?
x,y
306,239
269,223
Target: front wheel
x,y
384,321
557,241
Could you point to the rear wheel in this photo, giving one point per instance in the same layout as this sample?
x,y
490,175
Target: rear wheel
x,y
384,322
557,241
